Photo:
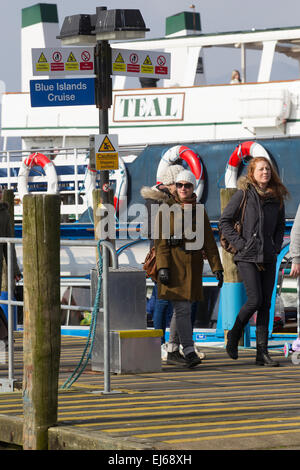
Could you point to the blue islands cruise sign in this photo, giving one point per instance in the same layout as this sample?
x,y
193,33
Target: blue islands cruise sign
x,y
62,92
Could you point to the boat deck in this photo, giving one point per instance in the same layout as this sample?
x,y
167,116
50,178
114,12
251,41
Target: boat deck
x,y
221,404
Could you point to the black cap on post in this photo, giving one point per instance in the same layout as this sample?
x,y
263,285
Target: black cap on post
x,y
119,24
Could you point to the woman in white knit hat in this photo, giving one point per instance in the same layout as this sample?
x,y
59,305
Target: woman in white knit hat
x,y
180,269
155,195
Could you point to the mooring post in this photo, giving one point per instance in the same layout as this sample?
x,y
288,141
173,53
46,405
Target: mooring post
x,y
233,291
42,317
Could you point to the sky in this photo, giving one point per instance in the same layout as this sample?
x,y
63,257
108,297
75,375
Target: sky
x,y
216,16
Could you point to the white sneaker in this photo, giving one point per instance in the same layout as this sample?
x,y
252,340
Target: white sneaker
x,y
164,352
199,353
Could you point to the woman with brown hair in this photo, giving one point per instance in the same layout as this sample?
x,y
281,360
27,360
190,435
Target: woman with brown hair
x,y
257,248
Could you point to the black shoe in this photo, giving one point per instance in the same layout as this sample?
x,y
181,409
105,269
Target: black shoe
x,y
262,355
233,337
192,359
175,358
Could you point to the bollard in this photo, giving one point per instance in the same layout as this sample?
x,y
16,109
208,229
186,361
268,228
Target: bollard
x,y
42,315
233,294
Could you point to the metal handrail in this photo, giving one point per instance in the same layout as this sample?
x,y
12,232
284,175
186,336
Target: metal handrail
x,y
107,246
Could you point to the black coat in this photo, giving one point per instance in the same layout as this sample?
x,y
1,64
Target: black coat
x,y
263,226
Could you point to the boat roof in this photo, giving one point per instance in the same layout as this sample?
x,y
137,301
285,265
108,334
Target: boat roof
x,y
287,40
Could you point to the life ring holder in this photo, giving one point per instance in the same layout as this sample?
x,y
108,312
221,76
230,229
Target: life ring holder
x,y
121,186
246,149
37,159
173,154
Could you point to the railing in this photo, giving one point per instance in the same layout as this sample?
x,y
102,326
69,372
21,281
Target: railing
x,y
70,163
8,384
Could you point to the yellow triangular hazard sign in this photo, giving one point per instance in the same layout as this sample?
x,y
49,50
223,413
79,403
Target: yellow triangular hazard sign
x,y
119,58
106,145
71,58
147,61
42,58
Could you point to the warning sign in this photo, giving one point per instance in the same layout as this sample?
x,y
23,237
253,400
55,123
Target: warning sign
x,y
119,64
106,145
59,61
42,64
147,61
147,66
139,63
107,156
72,63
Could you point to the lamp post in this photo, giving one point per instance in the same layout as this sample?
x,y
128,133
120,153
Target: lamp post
x,y
98,29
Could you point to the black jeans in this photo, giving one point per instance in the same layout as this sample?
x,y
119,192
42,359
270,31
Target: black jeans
x,y
259,287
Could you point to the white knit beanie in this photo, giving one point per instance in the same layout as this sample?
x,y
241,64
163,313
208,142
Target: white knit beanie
x,y
187,176
169,176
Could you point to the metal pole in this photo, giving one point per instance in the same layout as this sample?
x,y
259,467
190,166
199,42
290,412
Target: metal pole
x,y
106,322
243,62
10,314
298,306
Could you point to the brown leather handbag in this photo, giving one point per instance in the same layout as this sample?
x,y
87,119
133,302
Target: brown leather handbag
x,y
225,244
149,265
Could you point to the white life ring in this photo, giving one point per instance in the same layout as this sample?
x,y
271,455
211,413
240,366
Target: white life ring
x,y
119,175
246,149
37,159
172,156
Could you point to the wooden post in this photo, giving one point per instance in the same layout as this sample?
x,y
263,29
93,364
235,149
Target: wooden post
x,y
230,270
231,273
42,315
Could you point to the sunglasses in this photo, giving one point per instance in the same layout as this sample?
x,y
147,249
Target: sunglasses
x,y
184,185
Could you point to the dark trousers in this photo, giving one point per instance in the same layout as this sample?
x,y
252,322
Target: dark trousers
x,y
259,287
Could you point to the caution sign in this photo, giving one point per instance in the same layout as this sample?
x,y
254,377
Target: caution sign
x,y
72,63
107,154
42,64
119,64
147,66
107,161
106,145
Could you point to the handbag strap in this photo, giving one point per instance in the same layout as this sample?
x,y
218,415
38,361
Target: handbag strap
x,y
243,206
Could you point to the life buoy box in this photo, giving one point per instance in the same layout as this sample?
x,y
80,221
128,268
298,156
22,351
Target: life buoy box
x,y
246,149
176,153
120,176
37,159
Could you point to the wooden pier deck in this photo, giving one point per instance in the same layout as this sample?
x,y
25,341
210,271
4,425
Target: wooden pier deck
x,y
221,404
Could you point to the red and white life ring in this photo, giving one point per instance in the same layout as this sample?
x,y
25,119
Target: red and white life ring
x,y
37,159
246,149
120,176
176,153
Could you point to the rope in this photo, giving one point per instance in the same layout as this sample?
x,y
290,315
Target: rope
x,y
91,336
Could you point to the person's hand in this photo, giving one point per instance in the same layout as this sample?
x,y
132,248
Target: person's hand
x,y
295,270
164,276
219,276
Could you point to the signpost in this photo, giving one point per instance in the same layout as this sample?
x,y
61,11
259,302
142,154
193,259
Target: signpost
x,y
62,92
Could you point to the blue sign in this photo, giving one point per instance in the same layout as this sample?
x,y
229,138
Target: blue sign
x,y
62,92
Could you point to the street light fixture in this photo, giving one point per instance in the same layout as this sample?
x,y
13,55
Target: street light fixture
x,y
78,30
119,25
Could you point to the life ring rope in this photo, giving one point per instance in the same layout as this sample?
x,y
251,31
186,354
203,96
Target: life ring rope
x,y
246,149
173,154
37,159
